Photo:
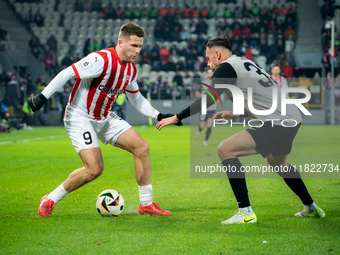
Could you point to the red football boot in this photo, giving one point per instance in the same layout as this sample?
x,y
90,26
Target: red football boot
x,y
46,206
152,209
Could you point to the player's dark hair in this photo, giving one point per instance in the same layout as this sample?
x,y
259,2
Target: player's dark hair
x,y
131,28
221,41
275,66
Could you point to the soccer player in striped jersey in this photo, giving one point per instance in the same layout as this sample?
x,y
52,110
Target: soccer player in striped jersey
x,y
101,77
271,140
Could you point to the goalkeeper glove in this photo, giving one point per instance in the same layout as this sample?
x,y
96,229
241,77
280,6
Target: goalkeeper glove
x,y
36,102
168,115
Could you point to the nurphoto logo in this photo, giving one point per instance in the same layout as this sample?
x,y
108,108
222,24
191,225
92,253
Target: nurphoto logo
x,y
238,102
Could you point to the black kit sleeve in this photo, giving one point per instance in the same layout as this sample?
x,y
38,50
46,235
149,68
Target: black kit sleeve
x,y
223,74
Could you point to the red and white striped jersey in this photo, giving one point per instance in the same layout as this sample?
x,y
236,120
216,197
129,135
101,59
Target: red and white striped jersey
x,y
281,81
101,78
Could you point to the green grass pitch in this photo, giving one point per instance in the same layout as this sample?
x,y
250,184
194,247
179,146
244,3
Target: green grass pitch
x,y
33,163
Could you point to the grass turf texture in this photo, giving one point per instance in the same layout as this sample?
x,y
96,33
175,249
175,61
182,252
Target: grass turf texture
x,y
30,169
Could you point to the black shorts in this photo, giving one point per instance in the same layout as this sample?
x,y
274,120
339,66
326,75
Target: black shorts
x,y
209,115
276,140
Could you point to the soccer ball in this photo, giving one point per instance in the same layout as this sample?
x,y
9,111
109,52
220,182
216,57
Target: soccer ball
x,y
110,203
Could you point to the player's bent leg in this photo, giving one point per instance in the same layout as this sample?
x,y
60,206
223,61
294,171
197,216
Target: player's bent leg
x,y
93,167
131,141
210,122
200,127
293,179
240,144
208,132
277,161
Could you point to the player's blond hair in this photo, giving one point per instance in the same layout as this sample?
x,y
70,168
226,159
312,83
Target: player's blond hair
x,y
131,28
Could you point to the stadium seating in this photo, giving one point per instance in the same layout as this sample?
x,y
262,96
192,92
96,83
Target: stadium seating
x,y
71,28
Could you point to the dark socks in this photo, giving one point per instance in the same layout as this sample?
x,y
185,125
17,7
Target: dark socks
x,y
237,181
207,134
295,183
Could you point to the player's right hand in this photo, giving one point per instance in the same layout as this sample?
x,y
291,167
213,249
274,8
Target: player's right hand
x,y
36,102
163,116
228,115
168,121
168,115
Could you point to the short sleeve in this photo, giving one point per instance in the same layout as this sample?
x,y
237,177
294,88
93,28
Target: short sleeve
x,y
133,86
225,70
89,67
224,74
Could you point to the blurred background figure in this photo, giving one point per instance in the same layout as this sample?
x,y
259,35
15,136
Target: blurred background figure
x,y
27,119
119,107
275,74
205,119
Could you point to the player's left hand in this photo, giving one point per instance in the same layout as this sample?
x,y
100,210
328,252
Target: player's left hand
x,y
228,115
168,121
36,102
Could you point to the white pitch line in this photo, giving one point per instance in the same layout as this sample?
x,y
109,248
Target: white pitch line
x,y
32,139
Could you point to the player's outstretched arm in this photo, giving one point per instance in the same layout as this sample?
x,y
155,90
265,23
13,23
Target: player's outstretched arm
x,y
168,121
224,74
145,108
228,115
192,109
36,102
141,104
162,116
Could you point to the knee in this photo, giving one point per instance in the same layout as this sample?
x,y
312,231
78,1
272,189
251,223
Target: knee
x,y
143,149
219,150
223,152
271,162
95,172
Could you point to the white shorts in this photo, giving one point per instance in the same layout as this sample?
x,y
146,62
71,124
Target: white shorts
x,y
85,132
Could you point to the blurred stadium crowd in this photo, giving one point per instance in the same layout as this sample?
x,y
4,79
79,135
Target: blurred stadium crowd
x,y
65,31
174,47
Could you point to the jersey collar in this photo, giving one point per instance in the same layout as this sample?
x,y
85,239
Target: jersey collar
x,y
228,59
279,77
116,55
